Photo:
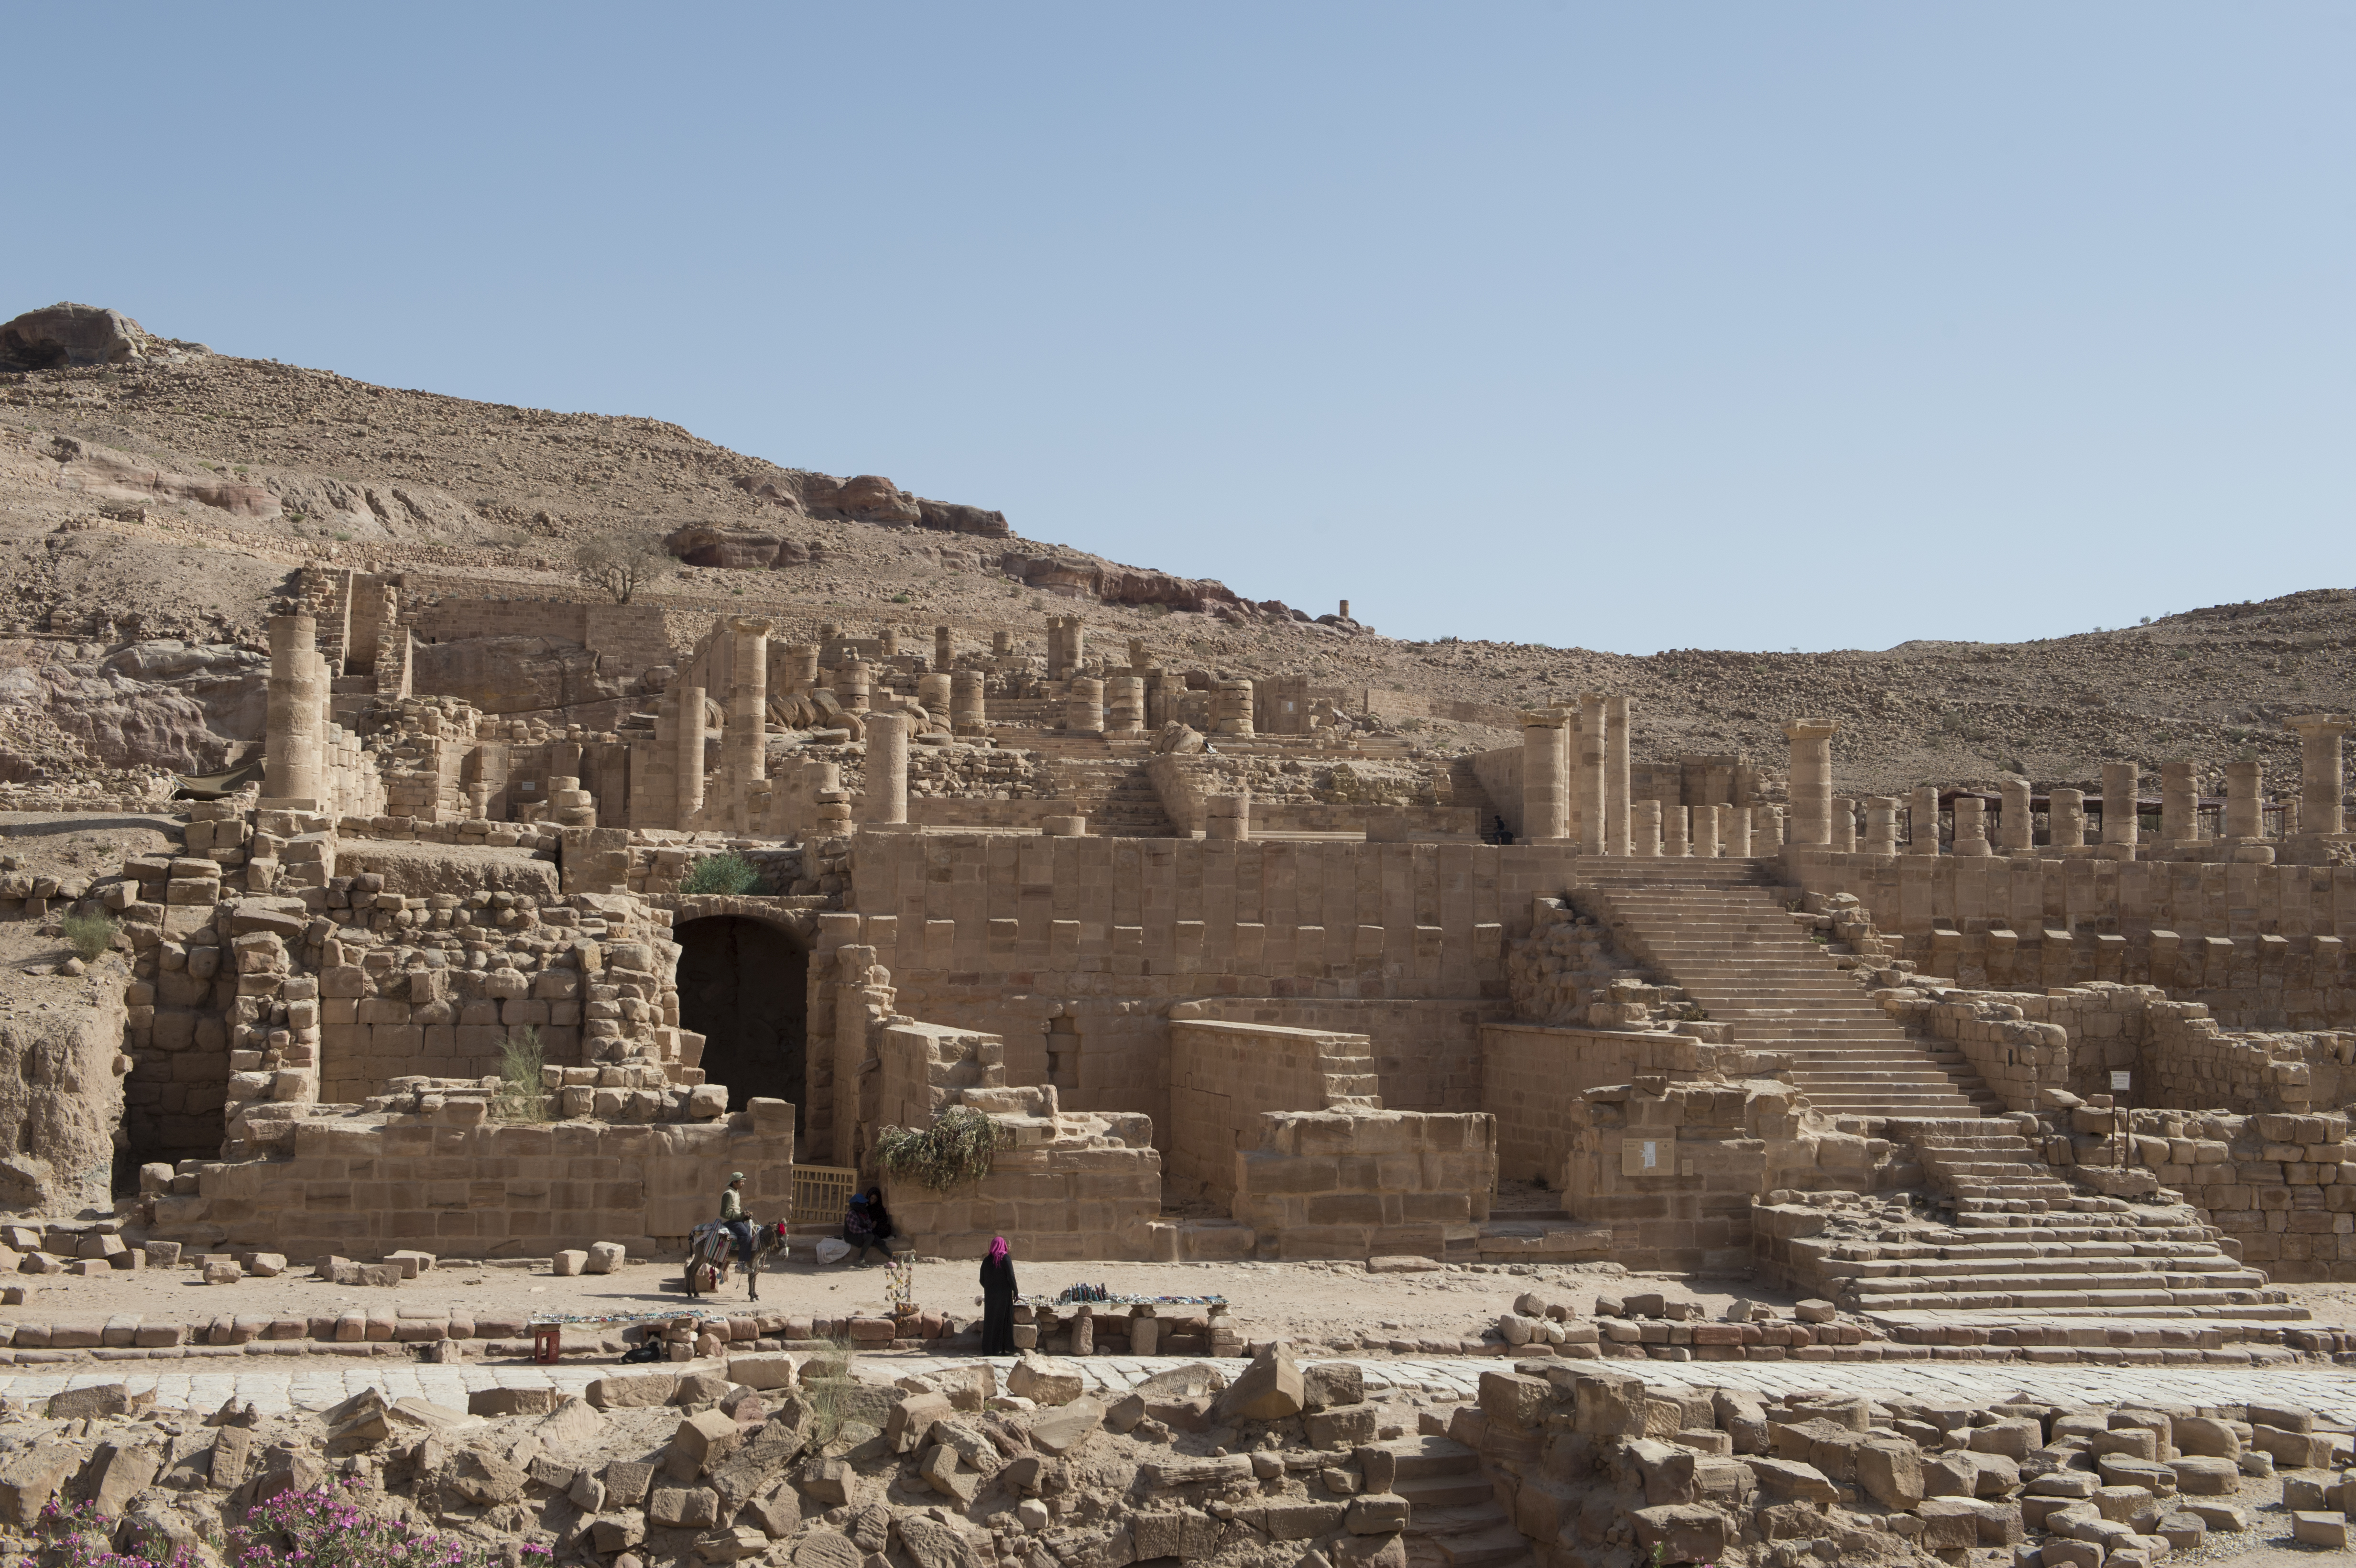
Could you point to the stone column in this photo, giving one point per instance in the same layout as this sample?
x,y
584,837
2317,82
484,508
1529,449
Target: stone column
x,y
1971,826
1812,780
1227,815
294,713
1546,804
1702,837
933,693
748,713
855,682
1844,824
1002,642
2246,800
1881,825
888,641
1923,821
1231,707
967,714
1124,705
798,667
2122,783
1084,706
1645,822
2015,833
1766,830
1619,833
944,649
2321,784
689,756
2065,818
1587,775
1734,827
1075,642
1674,842
2180,804
887,768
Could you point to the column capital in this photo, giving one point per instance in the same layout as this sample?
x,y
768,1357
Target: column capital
x,y
1810,729
2319,726
1544,718
748,625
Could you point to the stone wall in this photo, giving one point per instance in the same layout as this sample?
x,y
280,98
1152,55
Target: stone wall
x,y
2014,1043
1223,1076
1534,1076
2283,1186
1365,1183
447,1179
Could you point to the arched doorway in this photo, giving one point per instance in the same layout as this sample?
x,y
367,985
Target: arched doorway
x,y
743,985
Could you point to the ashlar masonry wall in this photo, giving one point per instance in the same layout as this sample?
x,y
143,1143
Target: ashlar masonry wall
x,y
1225,1077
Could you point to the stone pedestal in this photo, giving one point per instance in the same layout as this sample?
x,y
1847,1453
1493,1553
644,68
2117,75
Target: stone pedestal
x,y
1124,705
1227,817
1923,820
2122,784
2015,833
1971,826
1812,780
2245,801
1645,819
887,768
1618,831
1587,775
966,715
1844,824
2065,818
1084,706
1881,825
2321,782
1546,801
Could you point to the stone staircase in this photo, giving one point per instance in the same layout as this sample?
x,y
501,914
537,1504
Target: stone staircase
x,y
1115,795
2023,1249
1454,1519
1719,930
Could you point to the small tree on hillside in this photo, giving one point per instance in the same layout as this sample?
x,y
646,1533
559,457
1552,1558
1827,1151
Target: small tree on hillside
x,y
621,567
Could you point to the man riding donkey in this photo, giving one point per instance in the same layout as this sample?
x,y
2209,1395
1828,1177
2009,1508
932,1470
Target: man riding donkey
x,y
708,1249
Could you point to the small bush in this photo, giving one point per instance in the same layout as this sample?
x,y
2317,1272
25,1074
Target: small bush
x,y
89,935
523,1089
955,1150
728,873
827,1387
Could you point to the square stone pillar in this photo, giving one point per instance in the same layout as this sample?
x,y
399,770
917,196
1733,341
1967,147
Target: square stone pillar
x,y
1734,831
1923,820
1843,822
1704,831
2065,818
1673,830
2322,782
1546,802
1645,815
1812,780
2122,785
1619,834
887,768
2246,800
2015,833
1881,825
1587,774
2180,804
1971,826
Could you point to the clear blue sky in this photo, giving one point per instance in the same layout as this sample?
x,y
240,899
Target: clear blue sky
x,y
1632,326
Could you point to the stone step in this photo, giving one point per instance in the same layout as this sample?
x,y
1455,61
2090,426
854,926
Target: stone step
x,y
1445,1491
1414,1458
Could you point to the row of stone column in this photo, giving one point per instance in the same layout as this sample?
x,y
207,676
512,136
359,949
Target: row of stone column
x,y
1114,706
1575,775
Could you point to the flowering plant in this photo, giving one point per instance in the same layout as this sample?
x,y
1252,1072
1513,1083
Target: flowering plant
x,y
324,1527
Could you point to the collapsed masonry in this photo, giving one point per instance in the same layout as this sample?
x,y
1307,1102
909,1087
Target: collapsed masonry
x,y
1691,997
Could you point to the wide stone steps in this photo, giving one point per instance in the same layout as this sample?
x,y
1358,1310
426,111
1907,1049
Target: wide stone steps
x,y
1453,1516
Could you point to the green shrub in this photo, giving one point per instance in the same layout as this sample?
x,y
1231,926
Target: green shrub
x,y
725,873
955,1150
89,935
523,1087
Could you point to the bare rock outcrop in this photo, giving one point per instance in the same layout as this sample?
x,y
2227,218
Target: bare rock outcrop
x,y
61,1097
67,333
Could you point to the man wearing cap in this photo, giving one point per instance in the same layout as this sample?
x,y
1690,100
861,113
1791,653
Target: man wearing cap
x,y
732,1214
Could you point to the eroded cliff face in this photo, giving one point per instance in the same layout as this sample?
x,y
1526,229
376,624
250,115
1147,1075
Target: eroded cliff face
x,y
60,1087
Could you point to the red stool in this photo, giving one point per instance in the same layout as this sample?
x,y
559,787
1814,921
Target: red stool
x,y
547,1342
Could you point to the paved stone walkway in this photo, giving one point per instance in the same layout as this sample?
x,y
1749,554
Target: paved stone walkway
x,y
2328,1391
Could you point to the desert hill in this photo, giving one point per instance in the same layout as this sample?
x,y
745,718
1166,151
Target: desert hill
x,y
152,493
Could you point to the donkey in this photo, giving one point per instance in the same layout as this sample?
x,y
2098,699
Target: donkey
x,y
711,1249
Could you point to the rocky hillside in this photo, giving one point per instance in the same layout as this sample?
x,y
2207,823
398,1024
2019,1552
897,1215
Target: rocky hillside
x,y
157,498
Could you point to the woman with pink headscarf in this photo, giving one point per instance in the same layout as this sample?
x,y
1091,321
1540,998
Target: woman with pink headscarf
x,y
997,1300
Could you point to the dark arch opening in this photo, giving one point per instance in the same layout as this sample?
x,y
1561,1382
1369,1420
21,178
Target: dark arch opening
x,y
743,985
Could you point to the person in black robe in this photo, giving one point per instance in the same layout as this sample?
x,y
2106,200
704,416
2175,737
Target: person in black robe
x,y
998,1290
879,1220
